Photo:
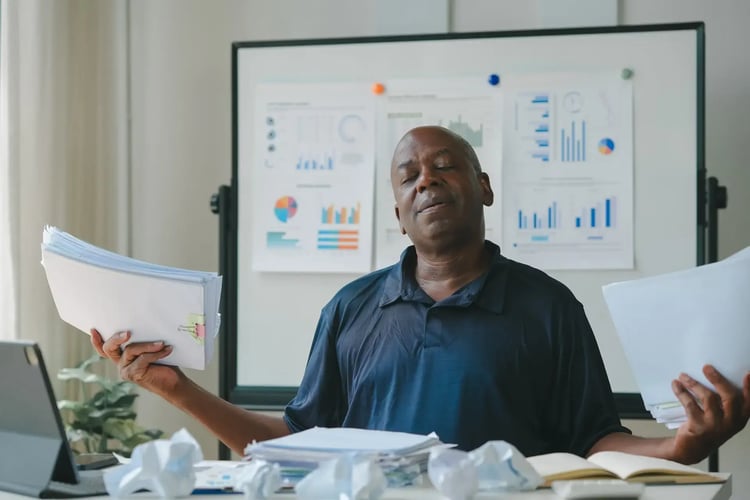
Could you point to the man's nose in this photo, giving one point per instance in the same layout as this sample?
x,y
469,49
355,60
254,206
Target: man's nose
x,y
428,176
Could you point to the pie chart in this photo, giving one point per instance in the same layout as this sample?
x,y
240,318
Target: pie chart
x,y
285,208
606,146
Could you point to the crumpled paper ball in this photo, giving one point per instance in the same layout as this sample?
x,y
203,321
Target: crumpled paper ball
x,y
500,466
163,466
258,480
349,477
452,473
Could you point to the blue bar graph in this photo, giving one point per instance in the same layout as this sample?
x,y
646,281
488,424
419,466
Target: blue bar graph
x,y
608,212
326,163
572,148
601,215
549,218
536,125
279,239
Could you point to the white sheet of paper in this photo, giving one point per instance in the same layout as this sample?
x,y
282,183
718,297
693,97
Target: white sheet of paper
x,y
152,308
344,439
678,322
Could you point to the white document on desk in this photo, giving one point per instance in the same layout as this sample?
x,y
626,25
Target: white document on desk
x,y
336,440
680,321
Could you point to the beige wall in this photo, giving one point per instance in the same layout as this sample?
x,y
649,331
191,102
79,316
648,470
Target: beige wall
x,y
180,103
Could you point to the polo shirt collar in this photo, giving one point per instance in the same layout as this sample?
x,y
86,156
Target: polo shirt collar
x,y
487,291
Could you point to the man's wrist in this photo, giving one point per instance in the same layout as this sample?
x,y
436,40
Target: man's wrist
x,y
667,449
178,393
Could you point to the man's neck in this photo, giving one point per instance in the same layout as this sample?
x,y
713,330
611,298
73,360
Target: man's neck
x,y
440,274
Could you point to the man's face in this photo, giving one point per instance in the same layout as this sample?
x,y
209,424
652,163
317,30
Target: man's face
x,y
440,197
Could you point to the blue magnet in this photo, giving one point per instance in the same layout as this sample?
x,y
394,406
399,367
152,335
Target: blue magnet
x,y
494,79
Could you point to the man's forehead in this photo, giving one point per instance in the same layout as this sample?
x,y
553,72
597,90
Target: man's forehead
x,y
413,146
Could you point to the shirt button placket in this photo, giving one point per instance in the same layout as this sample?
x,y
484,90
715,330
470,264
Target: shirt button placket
x,y
432,328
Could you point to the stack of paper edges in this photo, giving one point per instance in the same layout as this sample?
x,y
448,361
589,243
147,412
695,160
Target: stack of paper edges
x,y
401,456
678,322
95,288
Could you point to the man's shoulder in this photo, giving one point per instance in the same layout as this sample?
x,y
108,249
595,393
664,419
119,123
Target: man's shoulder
x,y
369,285
526,279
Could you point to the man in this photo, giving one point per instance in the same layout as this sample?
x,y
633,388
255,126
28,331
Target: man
x,y
455,339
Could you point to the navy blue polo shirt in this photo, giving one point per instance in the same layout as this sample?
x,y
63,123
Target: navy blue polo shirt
x,y
509,356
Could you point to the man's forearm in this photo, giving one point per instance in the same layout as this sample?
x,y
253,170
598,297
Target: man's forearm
x,y
234,426
621,441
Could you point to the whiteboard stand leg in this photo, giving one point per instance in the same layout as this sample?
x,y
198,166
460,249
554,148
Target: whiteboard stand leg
x,y
716,199
221,204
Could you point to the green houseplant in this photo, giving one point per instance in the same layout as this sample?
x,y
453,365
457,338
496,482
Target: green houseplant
x,y
103,419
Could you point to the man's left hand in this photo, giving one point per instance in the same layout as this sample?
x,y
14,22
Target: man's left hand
x,y
712,417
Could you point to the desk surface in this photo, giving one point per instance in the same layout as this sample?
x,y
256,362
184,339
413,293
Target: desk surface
x,y
721,491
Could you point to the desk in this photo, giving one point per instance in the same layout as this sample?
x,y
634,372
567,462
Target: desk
x,y
721,491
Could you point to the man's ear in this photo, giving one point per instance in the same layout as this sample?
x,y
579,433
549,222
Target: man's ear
x,y
488,197
398,217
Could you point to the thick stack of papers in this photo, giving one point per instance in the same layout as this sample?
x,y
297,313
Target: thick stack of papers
x,y
402,456
217,476
678,322
95,288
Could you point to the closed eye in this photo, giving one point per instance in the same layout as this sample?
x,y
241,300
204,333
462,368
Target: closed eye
x,y
408,175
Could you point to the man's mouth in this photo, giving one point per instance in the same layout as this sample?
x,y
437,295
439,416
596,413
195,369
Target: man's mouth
x,y
428,207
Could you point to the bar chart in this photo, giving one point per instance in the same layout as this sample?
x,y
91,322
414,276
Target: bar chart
x,y
323,162
573,142
279,239
338,239
547,218
344,215
599,215
533,125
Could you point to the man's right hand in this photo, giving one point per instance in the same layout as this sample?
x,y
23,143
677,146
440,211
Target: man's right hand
x,y
233,425
136,361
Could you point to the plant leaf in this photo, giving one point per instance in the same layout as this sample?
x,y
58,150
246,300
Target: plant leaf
x,y
67,404
118,397
79,374
135,440
154,433
93,359
77,434
107,413
106,420
121,429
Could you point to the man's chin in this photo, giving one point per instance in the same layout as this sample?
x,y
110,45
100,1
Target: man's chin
x,y
441,234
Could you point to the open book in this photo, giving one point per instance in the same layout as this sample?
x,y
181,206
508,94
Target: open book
x,y
615,464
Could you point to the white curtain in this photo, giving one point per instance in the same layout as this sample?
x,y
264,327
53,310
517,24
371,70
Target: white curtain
x,y
64,159
8,150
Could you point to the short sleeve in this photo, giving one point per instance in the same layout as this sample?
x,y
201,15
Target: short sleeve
x,y
319,400
583,409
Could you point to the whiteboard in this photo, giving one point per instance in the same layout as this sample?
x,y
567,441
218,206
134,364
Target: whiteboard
x,y
270,317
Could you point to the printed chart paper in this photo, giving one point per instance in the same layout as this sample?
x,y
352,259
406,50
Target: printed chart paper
x,y
567,196
313,178
469,107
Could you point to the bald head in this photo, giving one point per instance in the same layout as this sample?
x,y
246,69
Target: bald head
x,y
439,189
435,130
